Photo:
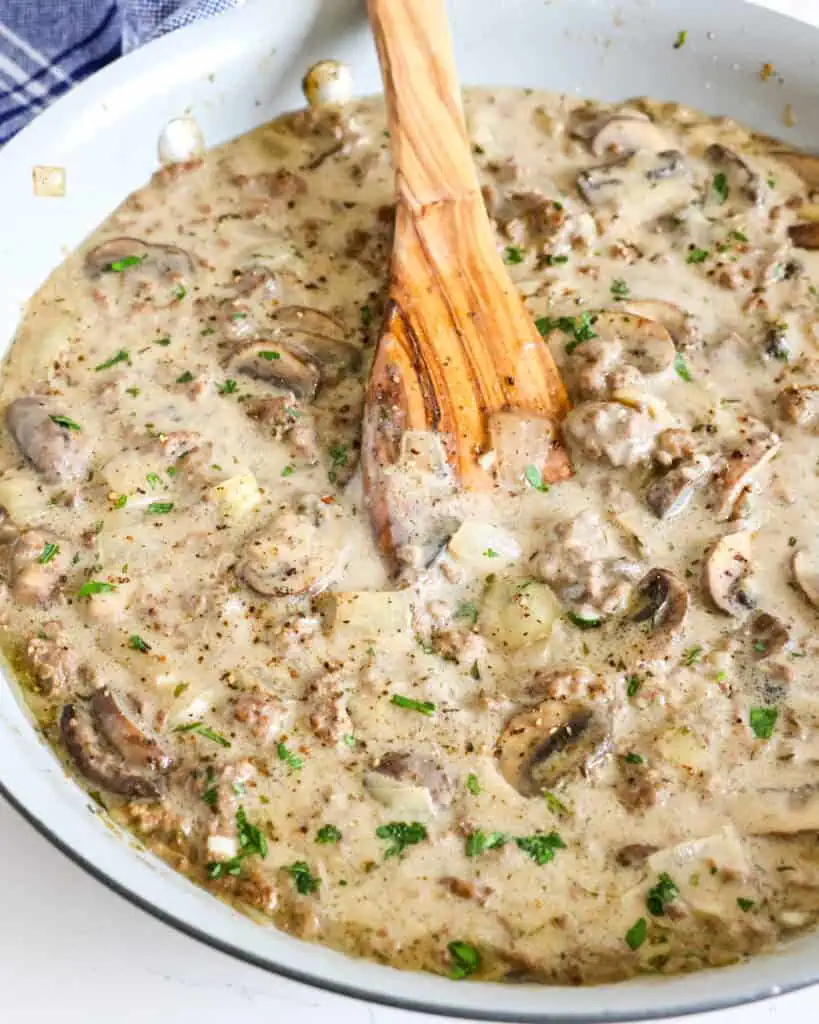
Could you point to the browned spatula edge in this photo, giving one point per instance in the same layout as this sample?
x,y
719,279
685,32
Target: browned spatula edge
x,y
457,343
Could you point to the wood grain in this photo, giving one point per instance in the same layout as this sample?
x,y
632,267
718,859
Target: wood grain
x,y
457,343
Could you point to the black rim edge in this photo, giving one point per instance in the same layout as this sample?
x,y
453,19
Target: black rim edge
x,y
351,991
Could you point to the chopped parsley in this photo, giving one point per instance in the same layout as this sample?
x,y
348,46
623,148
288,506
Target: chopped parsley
x,y
660,895
338,458
692,655
465,959
121,501
541,847
580,327
328,834
95,587
203,730
681,368
762,721
632,758
118,266
366,316
288,471
154,480
121,357
252,842
679,42
513,254
230,387
721,187
160,508
619,288
164,342
211,794
349,741
133,392
426,707
633,684
65,422
291,760
581,623
636,935
49,552
555,261
270,355
305,882
401,834
697,256
185,378
535,479
472,784
744,904
737,236
479,842
467,610
555,805
490,553
179,292
136,643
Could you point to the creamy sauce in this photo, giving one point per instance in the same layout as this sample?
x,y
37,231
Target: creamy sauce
x,y
580,740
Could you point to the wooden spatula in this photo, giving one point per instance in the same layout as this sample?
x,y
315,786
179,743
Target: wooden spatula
x,y
457,345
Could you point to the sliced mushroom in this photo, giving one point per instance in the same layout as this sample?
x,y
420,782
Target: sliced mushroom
x,y
587,122
595,182
741,176
660,600
411,783
621,135
670,164
271,361
98,762
635,854
805,568
60,453
805,236
768,634
679,324
316,338
743,467
166,261
668,494
544,744
726,570
131,743
298,552
647,345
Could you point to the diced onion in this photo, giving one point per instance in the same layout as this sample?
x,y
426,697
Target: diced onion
x,y
221,848
482,546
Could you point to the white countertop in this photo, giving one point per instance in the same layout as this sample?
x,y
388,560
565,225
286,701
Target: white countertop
x,y
73,951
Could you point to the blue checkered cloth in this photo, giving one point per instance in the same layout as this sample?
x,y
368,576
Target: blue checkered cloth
x,y
47,46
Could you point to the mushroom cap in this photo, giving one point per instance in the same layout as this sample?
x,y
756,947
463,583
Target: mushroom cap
x,y
740,473
541,745
805,236
805,569
769,635
725,570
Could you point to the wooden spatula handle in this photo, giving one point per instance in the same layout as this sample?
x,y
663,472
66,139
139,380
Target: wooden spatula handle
x,y
423,97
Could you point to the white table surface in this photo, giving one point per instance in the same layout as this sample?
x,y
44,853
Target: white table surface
x,y
74,952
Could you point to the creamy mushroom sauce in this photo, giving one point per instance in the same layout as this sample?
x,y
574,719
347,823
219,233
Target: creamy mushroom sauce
x,y
579,744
